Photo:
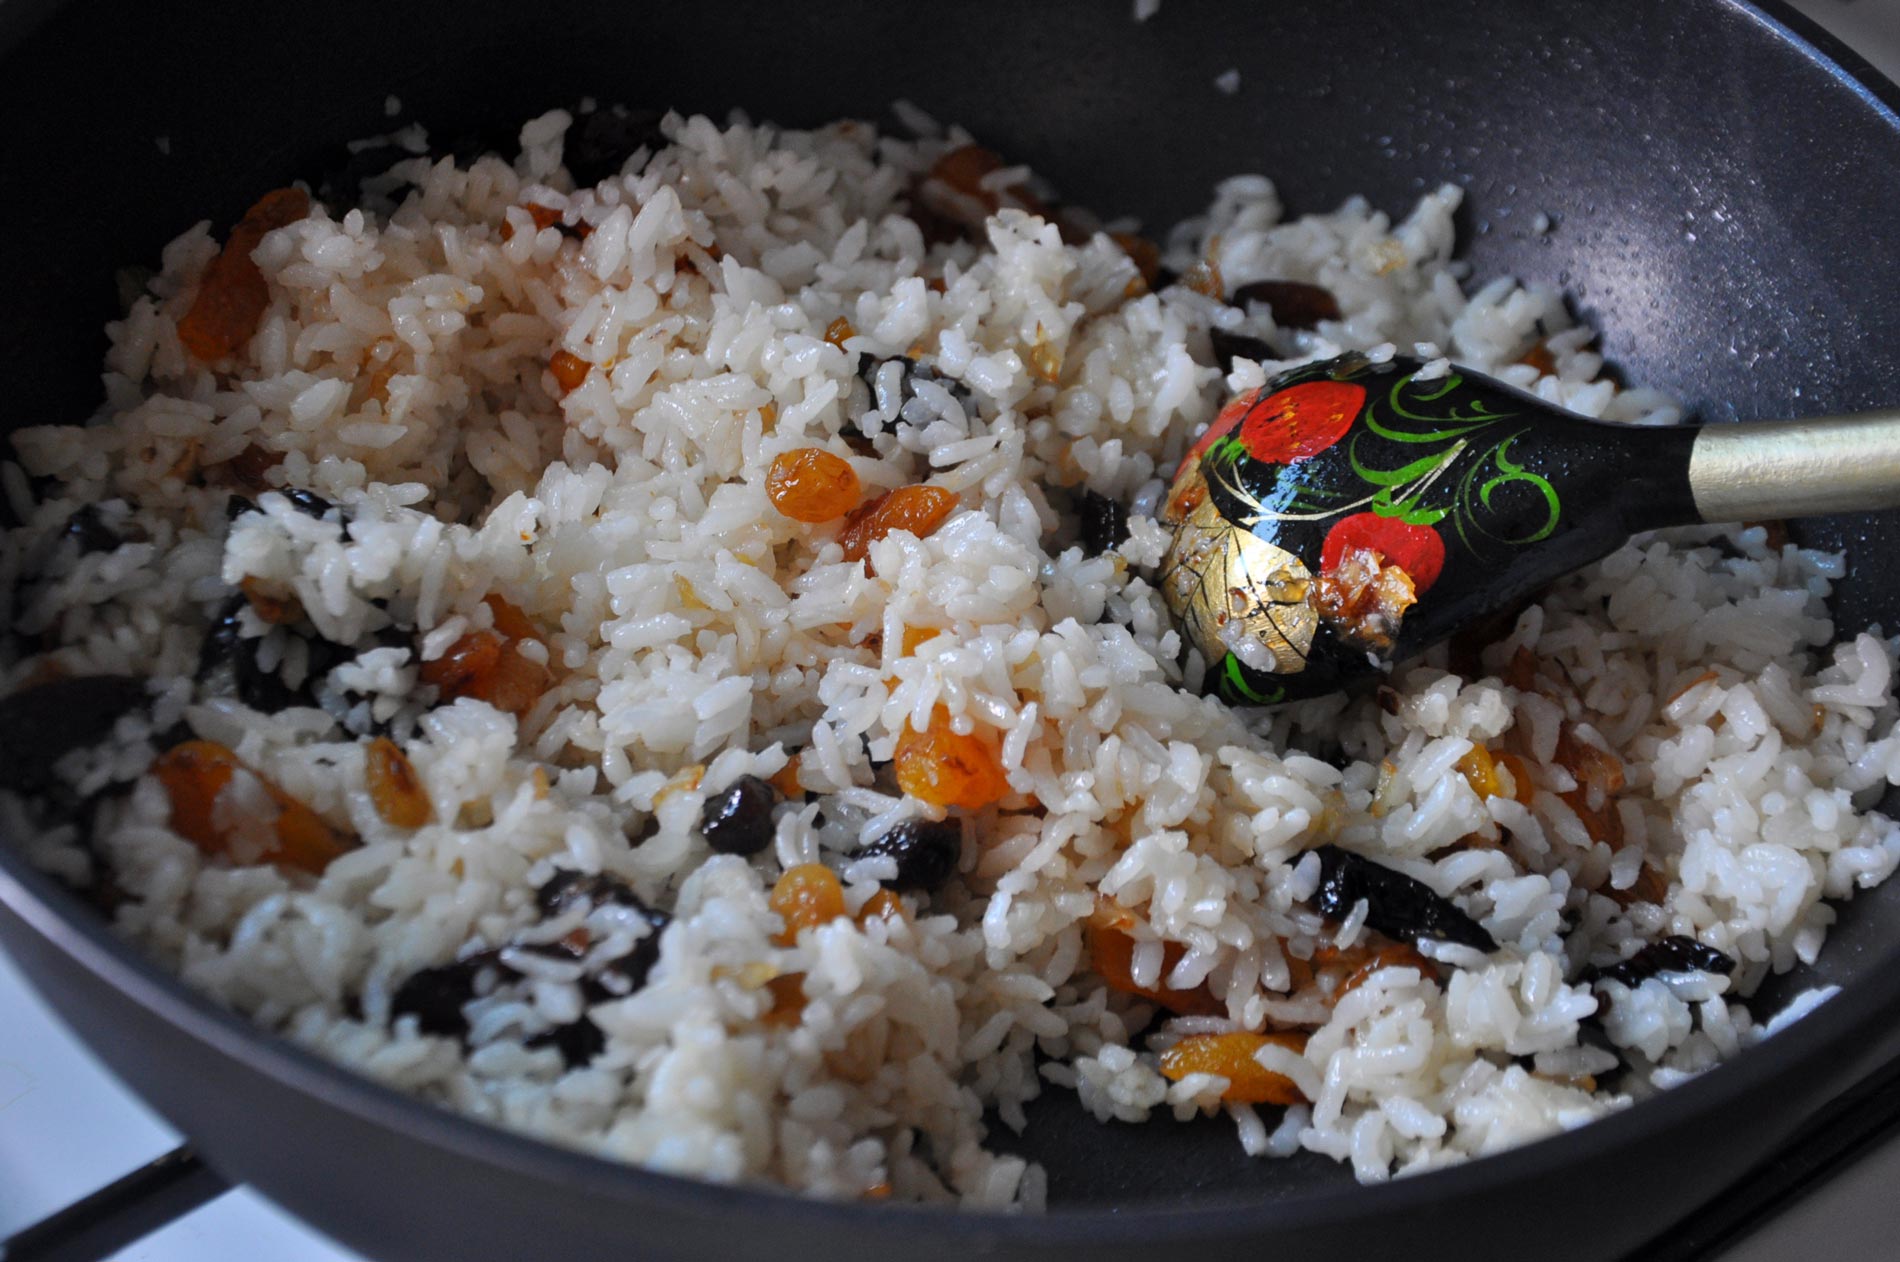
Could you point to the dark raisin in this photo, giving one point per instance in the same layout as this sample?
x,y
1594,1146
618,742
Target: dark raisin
x,y
578,1041
738,820
435,996
567,888
599,145
1231,346
42,724
870,369
1396,905
228,662
237,506
1104,523
309,503
89,530
1676,953
1295,304
926,852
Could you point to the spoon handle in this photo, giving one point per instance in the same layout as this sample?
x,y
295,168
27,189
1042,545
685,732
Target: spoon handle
x,y
1830,464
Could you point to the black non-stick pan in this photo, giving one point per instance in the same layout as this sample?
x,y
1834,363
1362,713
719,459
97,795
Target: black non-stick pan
x,y
1726,202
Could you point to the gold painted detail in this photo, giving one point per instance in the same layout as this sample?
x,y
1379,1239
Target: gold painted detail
x,y
1230,590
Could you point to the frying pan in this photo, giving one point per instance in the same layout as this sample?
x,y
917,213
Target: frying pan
x,y
1723,183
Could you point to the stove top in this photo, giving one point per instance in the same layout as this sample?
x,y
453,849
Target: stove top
x,y
88,1173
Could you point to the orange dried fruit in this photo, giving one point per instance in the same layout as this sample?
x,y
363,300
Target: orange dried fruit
x,y
812,485
394,787
788,999
196,772
1480,772
569,370
1398,955
804,896
233,294
1523,785
1232,1057
946,768
1112,955
488,665
837,331
919,509
883,905
273,607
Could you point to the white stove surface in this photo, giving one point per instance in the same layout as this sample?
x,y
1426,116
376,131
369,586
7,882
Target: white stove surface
x,y
67,1127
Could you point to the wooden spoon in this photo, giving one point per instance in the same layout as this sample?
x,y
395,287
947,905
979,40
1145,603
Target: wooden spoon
x,y
1349,513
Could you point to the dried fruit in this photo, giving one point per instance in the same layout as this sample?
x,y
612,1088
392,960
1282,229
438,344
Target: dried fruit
x,y
1676,953
1480,772
196,772
1396,905
1112,954
1523,785
838,330
569,370
436,995
394,787
788,999
739,819
926,852
88,529
567,889
946,768
1295,304
1232,1056
1398,955
276,608
1104,523
805,896
919,509
883,905
963,171
1231,346
233,294
812,485
1540,358
1145,255
911,374
579,1041
488,665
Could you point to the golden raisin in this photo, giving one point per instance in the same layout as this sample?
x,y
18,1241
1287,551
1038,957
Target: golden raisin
x,y
233,293
1112,956
194,773
946,768
837,331
1145,254
1540,358
785,780
919,509
883,905
916,637
788,999
569,370
1480,772
804,896
1232,1057
812,485
394,788
488,665
1044,359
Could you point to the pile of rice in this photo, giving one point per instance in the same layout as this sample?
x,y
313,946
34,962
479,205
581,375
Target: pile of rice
x,y
698,635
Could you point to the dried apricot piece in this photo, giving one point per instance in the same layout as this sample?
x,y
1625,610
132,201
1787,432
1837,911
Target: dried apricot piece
x,y
1398,955
883,905
1112,956
946,768
394,787
488,665
196,772
1232,1057
812,485
1480,772
788,999
804,896
1523,786
920,509
837,331
233,294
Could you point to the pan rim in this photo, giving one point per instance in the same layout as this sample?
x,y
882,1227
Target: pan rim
x,y
1861,1007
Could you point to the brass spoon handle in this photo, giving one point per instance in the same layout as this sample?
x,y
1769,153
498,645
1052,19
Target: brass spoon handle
x,y
1830,464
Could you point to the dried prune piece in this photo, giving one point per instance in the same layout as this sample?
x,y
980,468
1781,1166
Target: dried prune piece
x,y
600,143
1104,522
738,820
42,724
1231,346
926,852
579,1041
228,662
309,503
1396,905
1295,304
1676,953
88,529
435,996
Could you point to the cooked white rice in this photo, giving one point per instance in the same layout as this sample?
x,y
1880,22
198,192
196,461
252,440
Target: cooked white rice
x,y
401,369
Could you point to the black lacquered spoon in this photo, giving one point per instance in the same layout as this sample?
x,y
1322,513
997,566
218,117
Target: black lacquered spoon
x,y
1349,513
